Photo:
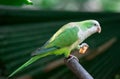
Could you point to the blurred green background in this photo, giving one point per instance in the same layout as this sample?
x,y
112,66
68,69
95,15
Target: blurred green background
x,y
26,25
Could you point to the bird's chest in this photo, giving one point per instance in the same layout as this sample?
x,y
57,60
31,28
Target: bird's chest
x,y
81,35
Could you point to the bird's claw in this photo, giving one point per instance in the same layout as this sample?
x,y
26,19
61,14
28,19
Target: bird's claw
x,y
71,57
83,48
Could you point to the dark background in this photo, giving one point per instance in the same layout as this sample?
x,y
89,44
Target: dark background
x,y
24,30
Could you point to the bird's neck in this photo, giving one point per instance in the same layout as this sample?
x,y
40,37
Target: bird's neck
x,y
83,35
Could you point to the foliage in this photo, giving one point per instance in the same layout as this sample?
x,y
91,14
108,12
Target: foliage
x,y
15,2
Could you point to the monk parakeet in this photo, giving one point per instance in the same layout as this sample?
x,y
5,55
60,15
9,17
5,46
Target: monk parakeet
x,y
66,39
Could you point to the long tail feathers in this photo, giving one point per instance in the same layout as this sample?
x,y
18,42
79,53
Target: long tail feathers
x,y
33,59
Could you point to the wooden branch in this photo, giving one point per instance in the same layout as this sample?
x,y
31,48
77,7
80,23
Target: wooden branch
x,y
77,69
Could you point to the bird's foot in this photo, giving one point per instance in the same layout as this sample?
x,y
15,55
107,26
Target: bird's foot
x,y
71,57
83,48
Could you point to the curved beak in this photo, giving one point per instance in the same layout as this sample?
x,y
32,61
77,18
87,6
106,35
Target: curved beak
x,y
99,29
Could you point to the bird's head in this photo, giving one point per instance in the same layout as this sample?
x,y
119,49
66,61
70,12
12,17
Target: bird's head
x,y
90,26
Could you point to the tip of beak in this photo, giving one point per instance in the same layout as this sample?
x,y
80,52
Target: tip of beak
x,y
99,29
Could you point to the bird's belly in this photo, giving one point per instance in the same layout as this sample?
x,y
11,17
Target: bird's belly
x,y
75,44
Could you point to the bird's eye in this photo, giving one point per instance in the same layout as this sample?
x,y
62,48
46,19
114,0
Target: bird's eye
x,y
95,24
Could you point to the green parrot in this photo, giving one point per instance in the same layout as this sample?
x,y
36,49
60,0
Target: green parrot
x,y
66,39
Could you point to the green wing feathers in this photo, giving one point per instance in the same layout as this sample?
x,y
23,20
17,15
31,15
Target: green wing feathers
x,y
68,37
44,50
58,44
